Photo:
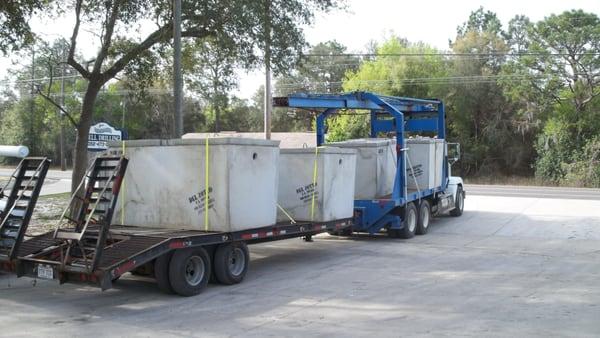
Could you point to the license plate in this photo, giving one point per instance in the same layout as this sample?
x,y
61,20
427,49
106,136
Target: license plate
x,y
45,271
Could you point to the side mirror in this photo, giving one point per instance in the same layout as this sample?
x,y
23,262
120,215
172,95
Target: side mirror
x,y
453,152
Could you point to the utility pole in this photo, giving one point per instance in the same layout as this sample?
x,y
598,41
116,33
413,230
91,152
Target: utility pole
x,y
32,101
63,162
177,79
268,100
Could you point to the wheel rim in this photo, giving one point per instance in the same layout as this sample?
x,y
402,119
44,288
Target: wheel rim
x,y
461,203
194,270
236,261
425,217
412,220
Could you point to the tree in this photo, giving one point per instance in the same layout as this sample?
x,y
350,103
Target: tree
x,y
210,72
480,116
31,119
560,72
321,70
237,22
15,32
393,72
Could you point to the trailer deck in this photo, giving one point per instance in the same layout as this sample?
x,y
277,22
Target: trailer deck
x,y
130,247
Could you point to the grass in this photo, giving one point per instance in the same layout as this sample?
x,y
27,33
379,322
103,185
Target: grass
x,y
507,180
47,211
518,181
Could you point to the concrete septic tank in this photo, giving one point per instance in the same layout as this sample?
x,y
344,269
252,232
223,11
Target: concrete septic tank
x,y
165,184
426,161
375,166
332,187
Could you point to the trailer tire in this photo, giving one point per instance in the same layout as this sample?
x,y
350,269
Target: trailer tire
x,y
409,223
189,271
459,202
231,262
161,272
424,218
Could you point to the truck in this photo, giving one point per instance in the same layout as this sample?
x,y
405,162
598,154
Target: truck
x,y
407,210
87,247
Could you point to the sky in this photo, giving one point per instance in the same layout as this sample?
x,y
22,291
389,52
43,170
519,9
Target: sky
x,y
432,22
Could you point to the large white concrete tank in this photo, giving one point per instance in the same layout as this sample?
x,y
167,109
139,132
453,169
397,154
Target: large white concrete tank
x,y
316,185
424,163
375,166
166,184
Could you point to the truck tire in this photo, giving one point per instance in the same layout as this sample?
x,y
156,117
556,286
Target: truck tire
x,y
459,202
189,271
161,272
409,223
424,218
231,262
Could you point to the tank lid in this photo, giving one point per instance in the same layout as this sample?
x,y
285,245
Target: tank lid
x,y
322,150
423,140
183,142
364,142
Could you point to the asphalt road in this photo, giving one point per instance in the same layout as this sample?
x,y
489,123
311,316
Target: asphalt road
x,y
533,191
510,266
56,181
60,182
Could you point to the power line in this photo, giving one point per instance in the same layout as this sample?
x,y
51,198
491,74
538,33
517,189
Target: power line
x,y
448,54
427,80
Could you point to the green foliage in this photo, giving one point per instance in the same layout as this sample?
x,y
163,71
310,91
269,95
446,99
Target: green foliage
x,y
400,75
559,91
390,75
15,32
239,116
584,171
479,116
322,70
345,127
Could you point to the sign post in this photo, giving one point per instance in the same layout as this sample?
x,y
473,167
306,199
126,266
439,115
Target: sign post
x,y
100,134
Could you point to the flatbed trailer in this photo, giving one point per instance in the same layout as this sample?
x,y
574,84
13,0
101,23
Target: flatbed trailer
x,y
130,248
86,247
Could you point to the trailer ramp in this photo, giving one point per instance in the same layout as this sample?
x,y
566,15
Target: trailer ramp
x,y
19,197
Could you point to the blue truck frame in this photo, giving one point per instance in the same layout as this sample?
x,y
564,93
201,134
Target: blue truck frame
x,y
399,115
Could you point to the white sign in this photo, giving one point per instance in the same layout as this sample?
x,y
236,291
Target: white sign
x,y
100,134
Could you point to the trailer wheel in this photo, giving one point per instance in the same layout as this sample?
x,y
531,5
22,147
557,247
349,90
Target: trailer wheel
x,y
459,202
231,262
409,222
161,272
424,218
189,271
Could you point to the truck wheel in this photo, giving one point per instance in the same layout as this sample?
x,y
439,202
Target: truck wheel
x,y
409,223
459,202
424,218
189,271
161,272
231,262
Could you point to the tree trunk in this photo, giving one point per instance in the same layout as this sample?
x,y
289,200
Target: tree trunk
x,y
80,162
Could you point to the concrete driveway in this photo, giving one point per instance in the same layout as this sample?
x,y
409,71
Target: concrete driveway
x,y
510,266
